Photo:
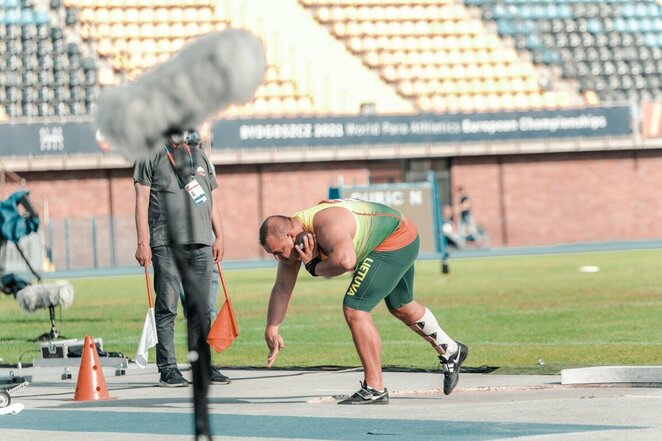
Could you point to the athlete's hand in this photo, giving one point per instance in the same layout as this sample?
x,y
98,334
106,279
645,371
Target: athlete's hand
x,y
310,250
274,342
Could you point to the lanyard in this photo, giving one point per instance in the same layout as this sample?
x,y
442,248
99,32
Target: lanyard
x,y
171,158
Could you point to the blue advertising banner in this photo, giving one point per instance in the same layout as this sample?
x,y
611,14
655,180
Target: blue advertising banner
x,y
37,138
421,128
25,139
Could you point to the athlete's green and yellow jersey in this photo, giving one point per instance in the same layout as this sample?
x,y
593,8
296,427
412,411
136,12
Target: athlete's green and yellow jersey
x,y
374,224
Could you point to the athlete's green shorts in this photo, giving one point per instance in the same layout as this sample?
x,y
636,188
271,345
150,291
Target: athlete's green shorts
x,y
387,275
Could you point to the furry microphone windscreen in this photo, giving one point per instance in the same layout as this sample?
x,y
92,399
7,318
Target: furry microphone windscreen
x,y
212,72
43,295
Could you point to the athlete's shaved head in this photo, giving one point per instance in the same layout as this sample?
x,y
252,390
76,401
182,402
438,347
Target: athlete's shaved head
x,y
277,226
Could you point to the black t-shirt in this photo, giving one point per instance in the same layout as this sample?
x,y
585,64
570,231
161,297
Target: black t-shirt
x,y
171,208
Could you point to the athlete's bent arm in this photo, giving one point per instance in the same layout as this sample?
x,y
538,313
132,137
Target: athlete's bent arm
x,y
334,231
279,301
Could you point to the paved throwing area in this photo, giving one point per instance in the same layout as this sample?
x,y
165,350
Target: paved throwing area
x,y
301,405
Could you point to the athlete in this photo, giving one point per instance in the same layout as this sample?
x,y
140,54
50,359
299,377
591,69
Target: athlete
x,y
379,245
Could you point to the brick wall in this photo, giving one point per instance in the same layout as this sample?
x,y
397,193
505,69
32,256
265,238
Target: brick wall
x,y
248,195
519,200
564,198
251,193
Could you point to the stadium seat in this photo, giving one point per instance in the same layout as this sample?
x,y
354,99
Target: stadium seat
x,y
146,15
71,17
428,50
413,46
586,38
132,15
45,75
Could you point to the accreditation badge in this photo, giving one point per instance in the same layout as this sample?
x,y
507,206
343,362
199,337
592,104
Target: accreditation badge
x,y
196,192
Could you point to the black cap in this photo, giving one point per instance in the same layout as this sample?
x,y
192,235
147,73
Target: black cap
x,y
193,138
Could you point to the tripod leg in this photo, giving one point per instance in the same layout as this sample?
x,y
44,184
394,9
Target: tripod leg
x,y
51,312
27,262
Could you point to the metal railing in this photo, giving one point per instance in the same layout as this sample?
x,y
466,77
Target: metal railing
x,y
90,242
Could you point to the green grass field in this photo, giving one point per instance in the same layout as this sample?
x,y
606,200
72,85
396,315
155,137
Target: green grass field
x,y
511,312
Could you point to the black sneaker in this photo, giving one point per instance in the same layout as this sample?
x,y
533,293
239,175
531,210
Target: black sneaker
x,y
215,376
452,367
367,395
171,377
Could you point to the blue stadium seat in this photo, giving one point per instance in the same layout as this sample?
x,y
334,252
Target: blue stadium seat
x,y
594,26
41,17
27,17
506,27
641,10
650,39
533,42
646,25
627,10
12,16
604,44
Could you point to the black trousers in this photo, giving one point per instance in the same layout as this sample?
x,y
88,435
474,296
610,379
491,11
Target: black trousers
x,y
192,264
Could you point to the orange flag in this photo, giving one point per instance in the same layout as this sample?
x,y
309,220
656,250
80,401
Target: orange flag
x,y
225,329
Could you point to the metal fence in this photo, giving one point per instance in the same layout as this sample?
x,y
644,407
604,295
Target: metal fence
x,y
90,242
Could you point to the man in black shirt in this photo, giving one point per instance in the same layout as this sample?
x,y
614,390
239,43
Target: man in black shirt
x,y
178,224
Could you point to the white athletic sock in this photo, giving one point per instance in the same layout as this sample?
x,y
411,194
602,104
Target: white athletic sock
x,y
428,328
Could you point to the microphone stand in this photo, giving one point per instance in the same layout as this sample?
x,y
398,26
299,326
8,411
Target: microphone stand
x,y
54,334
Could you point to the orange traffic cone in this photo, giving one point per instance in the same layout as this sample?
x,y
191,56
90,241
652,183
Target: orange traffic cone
x,y
91,385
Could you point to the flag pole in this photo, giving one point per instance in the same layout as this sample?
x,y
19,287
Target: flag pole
x,y
227,298
149,336
149,288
